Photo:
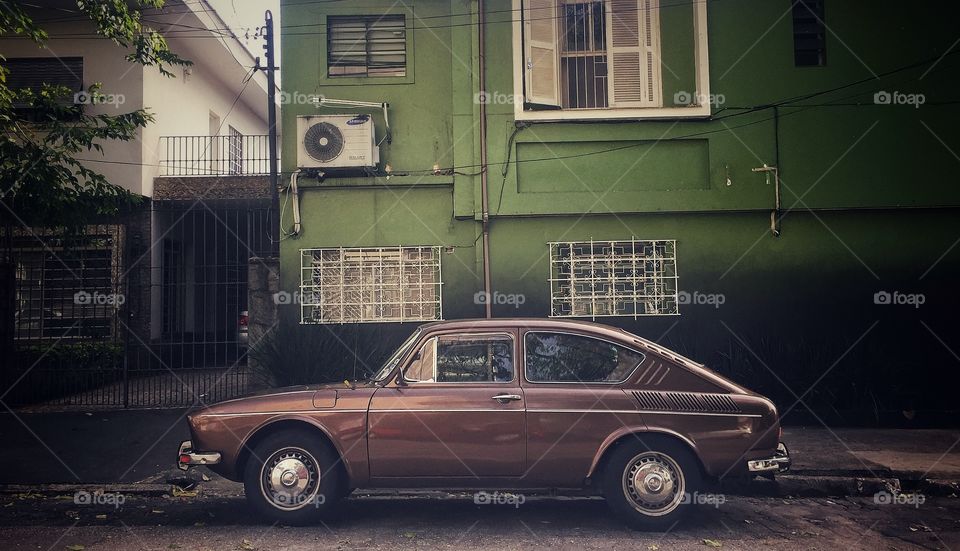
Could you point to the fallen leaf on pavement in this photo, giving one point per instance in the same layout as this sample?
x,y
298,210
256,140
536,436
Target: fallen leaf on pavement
x,y
101,517
653,547
177,492
75,547
409,535
712,543
246,545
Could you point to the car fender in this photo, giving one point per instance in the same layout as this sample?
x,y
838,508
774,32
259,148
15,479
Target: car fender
x,y
636,429
304,419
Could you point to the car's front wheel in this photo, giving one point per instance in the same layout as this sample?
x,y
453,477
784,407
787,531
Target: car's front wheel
x,y
293,477
648,482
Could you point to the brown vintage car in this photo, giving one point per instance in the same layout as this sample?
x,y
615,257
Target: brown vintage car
x,y
507,404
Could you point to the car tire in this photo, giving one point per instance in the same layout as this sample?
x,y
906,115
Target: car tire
x,y
293,477
647,482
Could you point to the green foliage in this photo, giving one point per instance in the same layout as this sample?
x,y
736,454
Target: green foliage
x,y
308,354
44,131
81,356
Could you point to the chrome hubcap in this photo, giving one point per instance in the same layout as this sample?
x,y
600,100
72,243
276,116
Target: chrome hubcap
x,y
653,483
290,479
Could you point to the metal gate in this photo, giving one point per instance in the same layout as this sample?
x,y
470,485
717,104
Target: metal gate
x,y
164,325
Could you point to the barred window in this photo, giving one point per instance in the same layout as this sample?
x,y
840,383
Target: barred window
x,y
613,278
235,151
357,285
374,45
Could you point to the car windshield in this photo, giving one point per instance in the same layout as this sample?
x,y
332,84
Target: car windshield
x,y
395,358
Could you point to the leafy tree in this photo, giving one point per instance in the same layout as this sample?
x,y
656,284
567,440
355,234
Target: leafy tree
x,y
45,131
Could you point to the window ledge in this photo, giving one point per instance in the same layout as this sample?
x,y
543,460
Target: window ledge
x,y
699,112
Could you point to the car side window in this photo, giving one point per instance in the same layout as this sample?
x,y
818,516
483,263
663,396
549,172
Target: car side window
x,y
423,367
463,359
563,358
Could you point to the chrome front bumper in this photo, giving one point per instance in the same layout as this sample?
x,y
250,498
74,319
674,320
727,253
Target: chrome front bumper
x,y
779,462
187,458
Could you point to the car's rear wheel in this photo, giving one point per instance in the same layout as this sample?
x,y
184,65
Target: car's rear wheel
x,y
649,483
293,477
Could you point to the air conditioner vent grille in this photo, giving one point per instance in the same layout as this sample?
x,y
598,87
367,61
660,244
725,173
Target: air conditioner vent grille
x,y
323,141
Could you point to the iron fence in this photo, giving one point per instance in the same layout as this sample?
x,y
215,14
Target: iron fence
x,y
231,155
175,335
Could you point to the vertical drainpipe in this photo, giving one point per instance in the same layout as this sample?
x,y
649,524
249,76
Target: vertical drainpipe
x,y
484,194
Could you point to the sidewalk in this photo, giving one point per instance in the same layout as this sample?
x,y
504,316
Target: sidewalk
x,y
137,447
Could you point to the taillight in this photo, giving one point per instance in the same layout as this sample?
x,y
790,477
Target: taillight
x,y
243,321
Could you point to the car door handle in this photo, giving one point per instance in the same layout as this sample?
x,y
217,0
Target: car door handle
x,y
504,398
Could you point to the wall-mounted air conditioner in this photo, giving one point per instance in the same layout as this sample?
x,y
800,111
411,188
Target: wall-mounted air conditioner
x,y
336,141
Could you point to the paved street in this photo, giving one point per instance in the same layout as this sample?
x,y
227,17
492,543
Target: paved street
x,y
224,523
110,447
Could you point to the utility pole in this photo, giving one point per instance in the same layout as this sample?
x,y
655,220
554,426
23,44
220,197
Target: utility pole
x,y
272,121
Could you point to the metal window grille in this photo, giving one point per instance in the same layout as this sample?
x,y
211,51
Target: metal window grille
x,y
583,55
613,278
809,34
359,285
373,45
235,151
67,287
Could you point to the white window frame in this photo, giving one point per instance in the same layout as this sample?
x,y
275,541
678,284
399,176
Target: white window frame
x,y
701,63
312,297
664,280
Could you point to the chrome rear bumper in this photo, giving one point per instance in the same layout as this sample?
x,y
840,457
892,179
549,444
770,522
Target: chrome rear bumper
x,y
779,462
187,458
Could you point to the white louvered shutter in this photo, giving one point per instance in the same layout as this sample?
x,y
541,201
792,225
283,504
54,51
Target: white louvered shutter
x,y
540,53
633,43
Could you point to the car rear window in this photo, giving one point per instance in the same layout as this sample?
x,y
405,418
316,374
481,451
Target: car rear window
x,y
569,358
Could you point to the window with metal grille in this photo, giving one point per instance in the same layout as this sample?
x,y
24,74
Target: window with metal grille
x,y
373,45
613,278
358,285
583,55
809,34
592,54
235,151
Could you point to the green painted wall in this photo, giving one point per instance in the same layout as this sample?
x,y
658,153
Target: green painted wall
x,y
881,180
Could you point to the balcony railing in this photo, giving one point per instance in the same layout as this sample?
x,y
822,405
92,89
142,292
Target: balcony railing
x,y
234,155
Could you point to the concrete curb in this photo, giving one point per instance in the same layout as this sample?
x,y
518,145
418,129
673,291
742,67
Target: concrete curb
x,y
64,489
784,485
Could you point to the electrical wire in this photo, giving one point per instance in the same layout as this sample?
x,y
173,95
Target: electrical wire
x,y
413,27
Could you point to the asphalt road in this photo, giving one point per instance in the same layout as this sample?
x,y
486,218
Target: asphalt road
x,y
224,523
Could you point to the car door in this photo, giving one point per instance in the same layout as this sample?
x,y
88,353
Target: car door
x,y
456,412
572,389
